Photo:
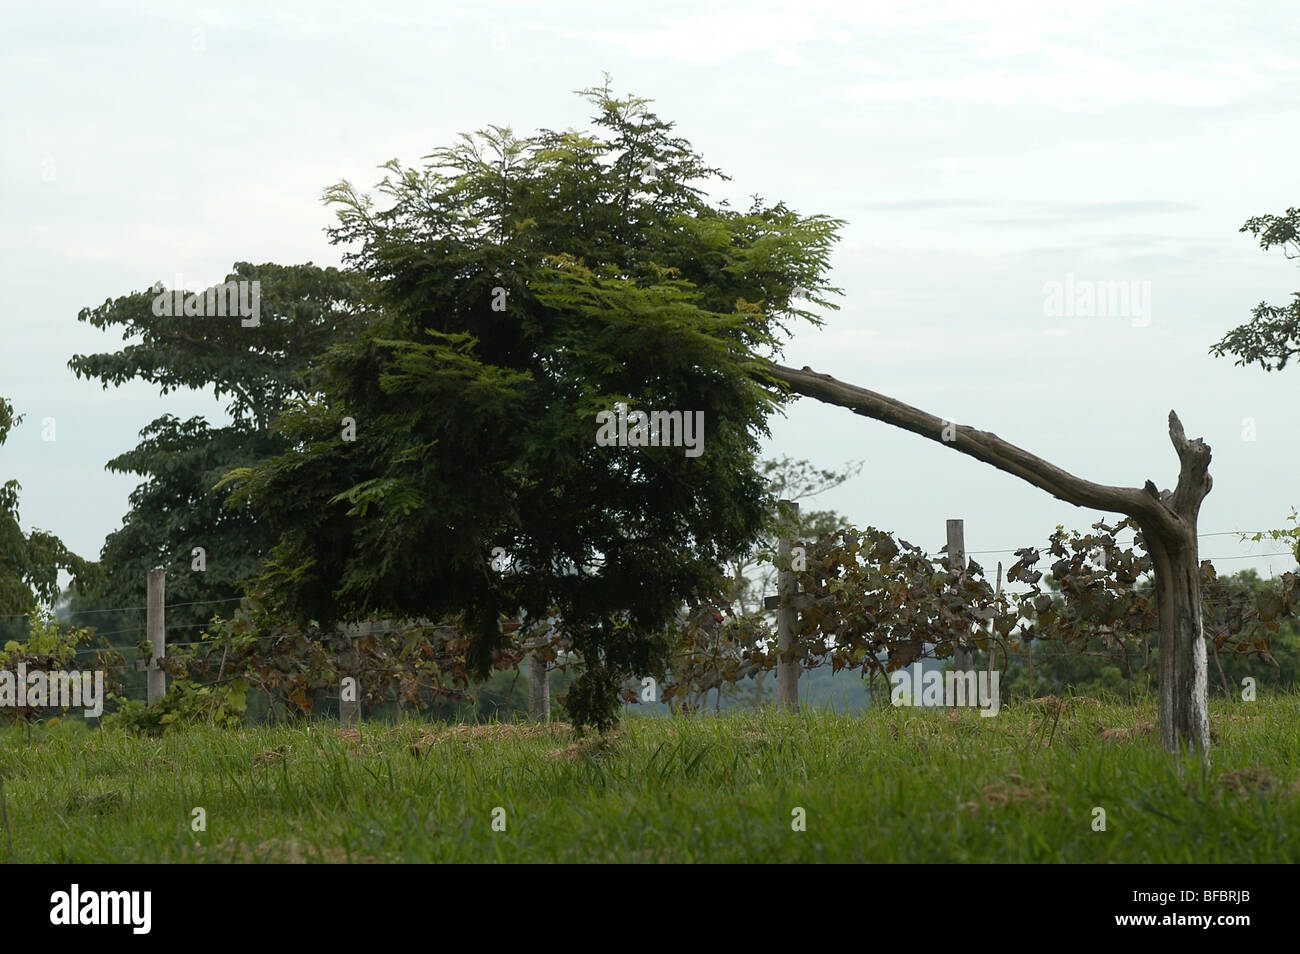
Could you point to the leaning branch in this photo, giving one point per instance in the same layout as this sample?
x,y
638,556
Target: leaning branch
x,y
1144,505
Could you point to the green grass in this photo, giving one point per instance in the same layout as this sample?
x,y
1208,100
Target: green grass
x,y
894,785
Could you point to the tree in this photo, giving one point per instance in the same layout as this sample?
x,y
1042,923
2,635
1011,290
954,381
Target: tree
x,y
29,562
731,639
1272,336
524,287
527,286
1167,520
303,310
795,480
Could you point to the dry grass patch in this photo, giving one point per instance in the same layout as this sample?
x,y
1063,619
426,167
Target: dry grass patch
x,y
272,756
275,851
589,747
1143,729
95,803
1245,781
1010,790
472,735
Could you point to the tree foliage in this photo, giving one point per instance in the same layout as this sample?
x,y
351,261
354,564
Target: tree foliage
x,y
718,644
1272,336
304,310
29,562
875,603
521,286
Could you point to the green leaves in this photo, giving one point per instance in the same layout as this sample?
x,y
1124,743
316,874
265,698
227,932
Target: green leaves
x,y
397,499
303,310
524,285
29,562
1290,536
187,467
1272,336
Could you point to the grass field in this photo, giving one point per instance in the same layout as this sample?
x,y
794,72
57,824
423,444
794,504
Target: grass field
x,y
893,785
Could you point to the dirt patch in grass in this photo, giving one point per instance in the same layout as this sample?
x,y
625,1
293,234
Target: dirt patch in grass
x,y
584,748
1127,733
272,756
274,851
1010,790
1245,781
95,803
471,735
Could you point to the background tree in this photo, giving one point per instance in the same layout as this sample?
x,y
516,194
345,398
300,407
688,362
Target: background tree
x,y
725,647
1096,638
29,562
1272,336
303,311
799,481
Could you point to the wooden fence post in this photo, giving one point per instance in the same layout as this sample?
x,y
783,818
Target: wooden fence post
x,y
787,671
156,627
533,633
539,688
962,659
997,605
350,709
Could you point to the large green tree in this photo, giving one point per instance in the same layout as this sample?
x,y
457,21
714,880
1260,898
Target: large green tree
x,y
257,368
524,286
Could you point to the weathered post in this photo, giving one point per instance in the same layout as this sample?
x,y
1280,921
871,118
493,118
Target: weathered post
x,y
156,627
787,669
962,659
349,663
539,683
997,606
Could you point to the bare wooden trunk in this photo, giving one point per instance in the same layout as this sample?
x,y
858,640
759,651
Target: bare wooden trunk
x,y
1184,713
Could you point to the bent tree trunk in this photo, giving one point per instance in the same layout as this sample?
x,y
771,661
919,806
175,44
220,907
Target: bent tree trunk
x,y
1167,518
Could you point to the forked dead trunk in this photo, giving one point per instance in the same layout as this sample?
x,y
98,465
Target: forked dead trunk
x,y
1167,518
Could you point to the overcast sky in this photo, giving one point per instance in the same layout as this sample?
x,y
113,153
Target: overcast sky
x,y
979,152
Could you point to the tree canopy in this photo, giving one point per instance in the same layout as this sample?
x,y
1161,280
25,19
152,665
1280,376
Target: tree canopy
x,y
1272,336
520,288
175,509
29,562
